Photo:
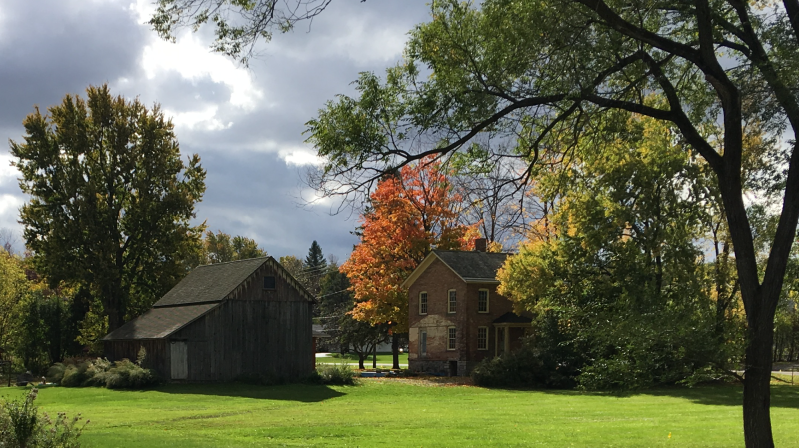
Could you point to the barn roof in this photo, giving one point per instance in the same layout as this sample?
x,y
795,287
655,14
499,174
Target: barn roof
x,y
471,267
214,282
158,323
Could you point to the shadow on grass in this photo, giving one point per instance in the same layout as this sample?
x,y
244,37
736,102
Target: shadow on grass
x,y
305,393
782,396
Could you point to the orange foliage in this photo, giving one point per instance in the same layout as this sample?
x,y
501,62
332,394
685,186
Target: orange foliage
x,y
409,215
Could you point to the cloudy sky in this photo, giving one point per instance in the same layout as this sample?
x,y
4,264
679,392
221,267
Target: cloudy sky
x,y
245,123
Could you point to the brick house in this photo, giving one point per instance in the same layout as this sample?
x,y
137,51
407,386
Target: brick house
x,y
455,316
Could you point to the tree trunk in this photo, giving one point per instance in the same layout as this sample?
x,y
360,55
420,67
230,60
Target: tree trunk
x,y
115,317
395,350
361,357
757,389
374,356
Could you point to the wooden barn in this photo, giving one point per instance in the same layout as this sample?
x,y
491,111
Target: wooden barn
x,y
224,321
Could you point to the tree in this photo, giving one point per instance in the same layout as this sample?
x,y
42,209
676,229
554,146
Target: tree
x,y
110,199
315,267
622,269
236,37
335,306
14,287
220,248
544,73
409,214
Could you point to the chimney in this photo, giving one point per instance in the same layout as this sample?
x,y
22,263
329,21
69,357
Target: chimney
x,y
480,245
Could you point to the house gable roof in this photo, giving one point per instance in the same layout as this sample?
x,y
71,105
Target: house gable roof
x,y
471,267
215,282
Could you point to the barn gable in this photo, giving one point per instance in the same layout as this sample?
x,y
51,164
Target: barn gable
x,y
216,282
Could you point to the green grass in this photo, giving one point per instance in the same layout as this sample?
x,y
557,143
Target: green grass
x,y
391,413
383,359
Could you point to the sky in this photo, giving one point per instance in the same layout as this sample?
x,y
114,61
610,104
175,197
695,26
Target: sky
x,y
246,124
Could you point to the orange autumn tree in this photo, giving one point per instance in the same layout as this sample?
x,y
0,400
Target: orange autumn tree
x,y
409,214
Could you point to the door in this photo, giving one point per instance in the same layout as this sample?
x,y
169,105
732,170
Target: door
x,y
179,355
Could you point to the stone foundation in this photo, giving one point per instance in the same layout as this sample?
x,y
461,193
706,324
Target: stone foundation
x,y
439,367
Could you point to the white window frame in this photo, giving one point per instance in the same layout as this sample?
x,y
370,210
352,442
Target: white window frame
x,y
485,347
487,300
452,305
452,341
426,303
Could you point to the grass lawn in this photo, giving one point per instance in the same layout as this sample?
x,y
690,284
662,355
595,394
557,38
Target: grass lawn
x,y
383,359
395,413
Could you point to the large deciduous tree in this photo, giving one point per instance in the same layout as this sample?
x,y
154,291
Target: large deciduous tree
x,y
220,247
238,24
110,199
409,213
621,270
542,73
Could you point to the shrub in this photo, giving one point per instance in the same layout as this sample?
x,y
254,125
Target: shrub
x,y
338,375
55,374
22,427
127,375
526,367
75,375
100,372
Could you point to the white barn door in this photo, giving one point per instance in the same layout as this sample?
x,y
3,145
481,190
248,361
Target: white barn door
x,y
179,355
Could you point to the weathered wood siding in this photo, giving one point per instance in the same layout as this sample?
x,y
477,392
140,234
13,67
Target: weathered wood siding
x,y
256,331
157,353
249,337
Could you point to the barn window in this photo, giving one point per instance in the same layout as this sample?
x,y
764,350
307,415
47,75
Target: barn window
x,y
423,302
452,301
269,282
482,301
482,338
451,338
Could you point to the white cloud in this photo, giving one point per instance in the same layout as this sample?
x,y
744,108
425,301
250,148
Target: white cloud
x,y
365,40
202,119
299,156
7,172
142,10
9,204
194,62
370,45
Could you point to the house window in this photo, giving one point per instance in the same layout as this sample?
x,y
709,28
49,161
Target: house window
x,y
452,301
422,342
269,282
482,301
482,338
423,302
451,338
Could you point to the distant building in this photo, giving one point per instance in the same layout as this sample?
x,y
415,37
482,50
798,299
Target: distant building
x,y
222,321
456,317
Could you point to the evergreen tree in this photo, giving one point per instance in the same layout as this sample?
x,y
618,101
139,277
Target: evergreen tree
x,y
314,268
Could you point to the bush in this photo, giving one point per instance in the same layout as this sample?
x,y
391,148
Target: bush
x,y
103,373
527,367
75,374
22,427
336,375
55,374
